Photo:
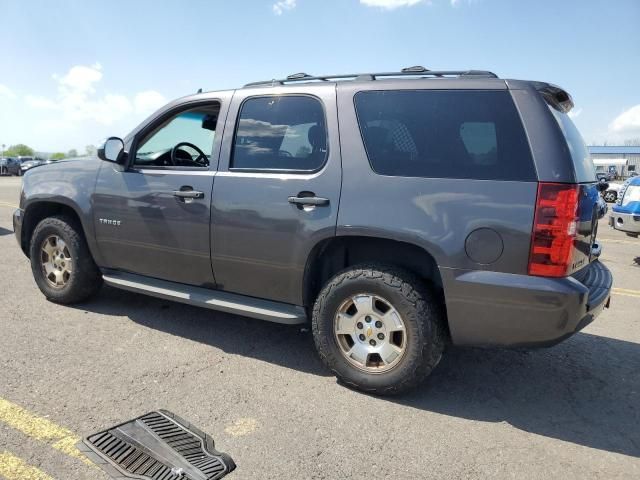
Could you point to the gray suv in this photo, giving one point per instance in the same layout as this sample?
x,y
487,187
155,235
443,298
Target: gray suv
x,y
397,212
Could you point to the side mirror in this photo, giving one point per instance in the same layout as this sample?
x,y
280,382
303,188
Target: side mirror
x,y
603,185
112,150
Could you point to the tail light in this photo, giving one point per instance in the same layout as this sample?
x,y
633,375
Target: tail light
x,y
554,229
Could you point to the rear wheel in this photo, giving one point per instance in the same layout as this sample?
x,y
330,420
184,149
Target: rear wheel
x,y
61,263
610,196
378,328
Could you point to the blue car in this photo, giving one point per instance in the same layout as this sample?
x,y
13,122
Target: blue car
x,y
625,215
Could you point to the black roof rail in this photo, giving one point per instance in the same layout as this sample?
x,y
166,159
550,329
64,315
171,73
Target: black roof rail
x,y
405,72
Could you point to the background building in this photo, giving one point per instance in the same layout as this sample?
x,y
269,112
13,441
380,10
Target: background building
x,y
623,160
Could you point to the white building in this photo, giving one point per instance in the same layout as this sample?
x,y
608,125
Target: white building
x,y
621,159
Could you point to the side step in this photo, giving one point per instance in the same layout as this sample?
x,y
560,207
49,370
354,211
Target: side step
x,y
157,446
203,297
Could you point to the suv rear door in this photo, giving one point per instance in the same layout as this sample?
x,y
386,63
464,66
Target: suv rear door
x,y
277,192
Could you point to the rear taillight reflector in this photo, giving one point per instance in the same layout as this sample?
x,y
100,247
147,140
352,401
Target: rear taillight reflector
x,y
554,229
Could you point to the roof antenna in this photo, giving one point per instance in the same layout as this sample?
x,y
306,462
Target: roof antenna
x,y
199,90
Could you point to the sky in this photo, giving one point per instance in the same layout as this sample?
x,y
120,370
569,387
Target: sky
x,y
73,72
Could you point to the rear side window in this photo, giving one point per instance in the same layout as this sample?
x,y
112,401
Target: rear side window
x,y
582,163
444,134
280,133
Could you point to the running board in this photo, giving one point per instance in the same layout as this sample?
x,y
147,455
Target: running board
x,y
212,299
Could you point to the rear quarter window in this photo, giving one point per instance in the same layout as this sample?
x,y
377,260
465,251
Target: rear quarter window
x,y
582,163
444,134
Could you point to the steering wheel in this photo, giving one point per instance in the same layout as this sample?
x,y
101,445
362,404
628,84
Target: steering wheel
x,y
201,159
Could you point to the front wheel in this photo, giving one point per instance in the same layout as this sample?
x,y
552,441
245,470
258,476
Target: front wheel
x,y
378,328
610,197
61,262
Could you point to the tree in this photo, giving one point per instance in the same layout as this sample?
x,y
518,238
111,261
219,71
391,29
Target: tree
x,y
90,150
72,153
19,150
58,156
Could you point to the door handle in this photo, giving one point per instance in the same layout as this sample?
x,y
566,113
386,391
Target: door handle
x,y
188,194
311,201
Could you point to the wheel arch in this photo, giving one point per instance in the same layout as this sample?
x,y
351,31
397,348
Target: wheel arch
x,y
330,256
37,210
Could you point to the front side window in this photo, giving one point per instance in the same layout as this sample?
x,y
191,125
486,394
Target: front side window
x,y
280,133
183,140
444,134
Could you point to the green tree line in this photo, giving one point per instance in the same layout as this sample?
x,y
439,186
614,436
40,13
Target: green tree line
x,y
22,150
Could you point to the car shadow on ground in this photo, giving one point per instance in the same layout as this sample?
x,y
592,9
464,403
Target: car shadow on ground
x,y
4,231
585,391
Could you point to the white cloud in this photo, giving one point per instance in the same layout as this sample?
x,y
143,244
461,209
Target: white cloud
x,y
148,101
6,92
283,5
40,102
81,78
575,112
627,123
391,4
77,101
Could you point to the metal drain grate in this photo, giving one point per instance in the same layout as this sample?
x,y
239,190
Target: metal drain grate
x,y
157,446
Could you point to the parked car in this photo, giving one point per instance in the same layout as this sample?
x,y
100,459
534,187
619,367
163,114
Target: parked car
x,y
610,195
9,166
28,162
605,176
625,215
397,212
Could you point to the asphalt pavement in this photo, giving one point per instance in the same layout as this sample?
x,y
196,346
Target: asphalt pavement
x,y
571,411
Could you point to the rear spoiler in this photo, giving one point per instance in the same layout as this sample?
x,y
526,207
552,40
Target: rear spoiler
x,y
555,96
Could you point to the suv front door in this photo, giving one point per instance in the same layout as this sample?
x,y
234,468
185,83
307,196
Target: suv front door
x,y
152,216
277,191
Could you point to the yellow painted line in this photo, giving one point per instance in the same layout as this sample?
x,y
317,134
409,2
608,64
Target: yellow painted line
x,y
6,204
14,468
626,292
41,429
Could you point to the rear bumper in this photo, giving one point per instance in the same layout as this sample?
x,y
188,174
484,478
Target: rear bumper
x,y
501,309
625,222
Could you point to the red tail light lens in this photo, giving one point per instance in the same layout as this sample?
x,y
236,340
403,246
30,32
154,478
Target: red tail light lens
x,y
554,229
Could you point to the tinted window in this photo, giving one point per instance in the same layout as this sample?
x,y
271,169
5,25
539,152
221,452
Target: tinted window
x,y
444,134
585,170
280,133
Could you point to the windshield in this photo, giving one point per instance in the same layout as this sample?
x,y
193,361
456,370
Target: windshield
x,y
632,194
582,163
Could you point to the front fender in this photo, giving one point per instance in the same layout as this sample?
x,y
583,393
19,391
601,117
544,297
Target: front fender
x,y
68,184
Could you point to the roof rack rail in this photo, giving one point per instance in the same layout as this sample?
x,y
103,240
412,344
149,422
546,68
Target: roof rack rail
x,y
405,72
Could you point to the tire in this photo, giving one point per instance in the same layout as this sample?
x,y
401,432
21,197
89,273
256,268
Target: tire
x,y
610,197
418,309
84,278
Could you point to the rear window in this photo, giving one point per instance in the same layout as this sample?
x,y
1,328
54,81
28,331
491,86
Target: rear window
x,y
583,165
444,134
